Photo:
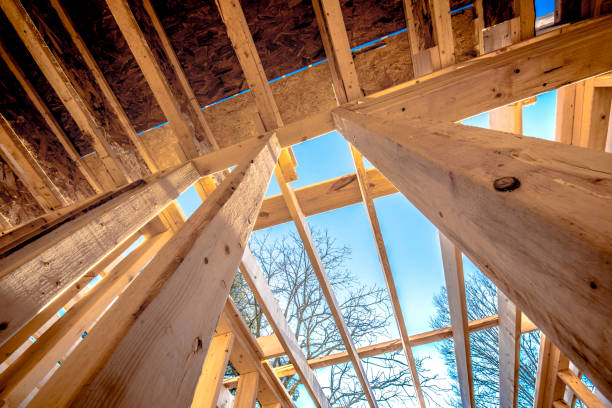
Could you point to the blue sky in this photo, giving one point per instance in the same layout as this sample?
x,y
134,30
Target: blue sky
x,y
411,240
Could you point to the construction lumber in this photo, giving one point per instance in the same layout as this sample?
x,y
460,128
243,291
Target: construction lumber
x,y
580,389
209,385
518,72
389,346
509,344
76,106
193,108
154,75
102,83
256,280
247,390
32,275
546,372
18,380
452,168
441,19
27,168
455,289
185,287
51,122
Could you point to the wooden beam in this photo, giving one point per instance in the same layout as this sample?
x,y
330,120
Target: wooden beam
x,y
582,392
389,346
313,255
509,350
570,396
59,81
247,390
32,275
454,160
455,289
520,71
25,166
525,10
545,374
18,380
193,107
265,298
209,385
153,75
324,196
185,287
441,19
108,93
49,119
248,57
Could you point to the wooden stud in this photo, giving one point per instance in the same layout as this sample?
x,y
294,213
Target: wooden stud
x,y
32,366
487,165
185,287
153,74
31,276
441,18
525,9
509,350
196,114
44,111
582,392
265,298
570,396
209,385
76,106
247,390
455,289
25,166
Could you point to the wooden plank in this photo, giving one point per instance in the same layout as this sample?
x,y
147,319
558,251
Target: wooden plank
x,y
21,161
108,93
76,106
570,396
265,298
49,119
593,129
455,289
387,273
546,372
153,75
247,390
441,19
324,196
18,380
564,119
509,350
244,47
209,385
451,160
31,276
313,255
271,346
15,341
389,346
519,71
419,24
184,287
196,114
584,394
525,9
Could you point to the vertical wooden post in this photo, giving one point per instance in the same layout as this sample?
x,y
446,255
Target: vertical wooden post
x,y
247,390
211,379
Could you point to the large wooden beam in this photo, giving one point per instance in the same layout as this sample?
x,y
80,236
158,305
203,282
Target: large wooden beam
x,y
59,81
265,298
49,119
455,289
520,71
33,274
482,189
153,74
102,83
150,345
15,153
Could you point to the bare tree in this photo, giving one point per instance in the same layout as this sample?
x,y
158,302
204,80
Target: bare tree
x,y
481,299
365,308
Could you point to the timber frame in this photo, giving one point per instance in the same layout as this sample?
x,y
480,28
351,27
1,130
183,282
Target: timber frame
x,y
160,328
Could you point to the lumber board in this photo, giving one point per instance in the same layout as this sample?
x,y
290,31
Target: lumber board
x,y
265,298
31,276
209,385
499,177
247,390
185,286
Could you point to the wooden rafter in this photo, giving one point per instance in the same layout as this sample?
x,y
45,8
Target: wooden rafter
x,y
102,83
265,298
498,176
49,119
59,81
388,346
215,365
23,164
153,74
145,311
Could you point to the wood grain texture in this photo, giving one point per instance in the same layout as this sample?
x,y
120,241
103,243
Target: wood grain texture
x,y
567,219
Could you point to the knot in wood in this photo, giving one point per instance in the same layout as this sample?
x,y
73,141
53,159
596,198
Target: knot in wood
x,y
506,184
